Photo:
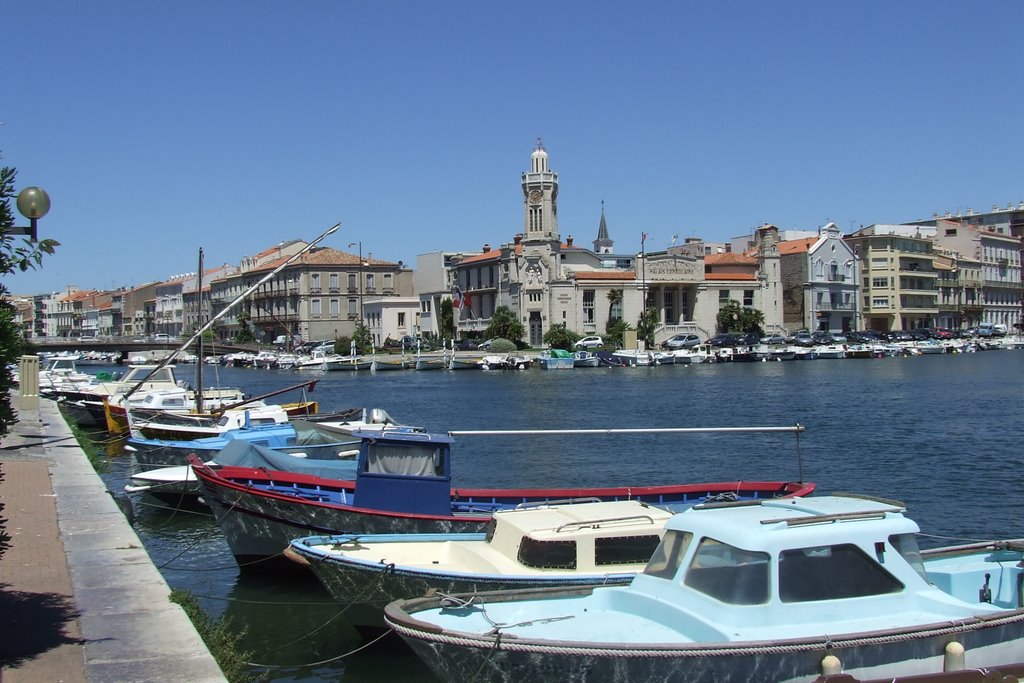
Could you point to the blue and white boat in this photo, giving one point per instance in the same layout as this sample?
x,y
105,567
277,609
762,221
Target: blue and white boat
x,y
403,484
307,435
771,590
556,359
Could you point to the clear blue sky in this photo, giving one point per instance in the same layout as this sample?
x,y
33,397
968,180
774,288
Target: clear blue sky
x,y
161,127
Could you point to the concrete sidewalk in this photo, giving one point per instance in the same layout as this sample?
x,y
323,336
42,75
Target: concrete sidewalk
x,y
80,600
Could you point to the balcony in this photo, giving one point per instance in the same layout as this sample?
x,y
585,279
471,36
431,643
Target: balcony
x,y
836,277
838,306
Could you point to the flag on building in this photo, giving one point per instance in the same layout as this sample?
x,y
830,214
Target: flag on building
x,y
456,297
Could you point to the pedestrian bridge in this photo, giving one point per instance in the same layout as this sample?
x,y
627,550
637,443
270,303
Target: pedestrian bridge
x,y
134,344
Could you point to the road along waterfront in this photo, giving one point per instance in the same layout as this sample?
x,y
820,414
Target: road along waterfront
x,y
941,433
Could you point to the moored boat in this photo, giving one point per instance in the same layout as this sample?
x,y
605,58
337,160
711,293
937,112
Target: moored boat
x,y
779,590
585,359
403,485
548,545
556,359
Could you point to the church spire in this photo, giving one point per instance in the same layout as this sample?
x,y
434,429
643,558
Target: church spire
x,y
603,244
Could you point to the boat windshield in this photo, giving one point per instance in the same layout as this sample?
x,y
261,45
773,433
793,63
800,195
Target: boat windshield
x,y
730,574
906,546
666,559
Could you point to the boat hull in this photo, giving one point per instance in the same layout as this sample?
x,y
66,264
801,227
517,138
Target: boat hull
x,y
378,584
989,642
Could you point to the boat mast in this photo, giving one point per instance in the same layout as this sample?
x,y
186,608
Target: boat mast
x,y
199,342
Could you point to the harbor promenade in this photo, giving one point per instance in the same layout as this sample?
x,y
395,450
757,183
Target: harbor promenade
x,y
80,599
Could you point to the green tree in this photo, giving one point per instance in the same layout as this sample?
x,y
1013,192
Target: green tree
x,y
446,320
646,324
243,335
19,255
505,324
363,338
560,337
614,302
614,332
734,318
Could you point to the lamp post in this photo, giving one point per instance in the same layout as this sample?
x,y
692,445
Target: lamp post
x,y
33,203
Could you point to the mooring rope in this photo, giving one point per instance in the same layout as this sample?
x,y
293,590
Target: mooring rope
x,y
323,661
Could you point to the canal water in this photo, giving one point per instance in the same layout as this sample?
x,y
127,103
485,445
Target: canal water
x,y
942,433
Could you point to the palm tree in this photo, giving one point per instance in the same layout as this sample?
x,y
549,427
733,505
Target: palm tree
x,y
614,299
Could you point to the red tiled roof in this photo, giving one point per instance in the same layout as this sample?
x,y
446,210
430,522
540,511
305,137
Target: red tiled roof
x,y
729,258
324,257
730,276
796,246
479,258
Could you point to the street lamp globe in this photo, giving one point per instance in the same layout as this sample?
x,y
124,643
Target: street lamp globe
x,y
33,203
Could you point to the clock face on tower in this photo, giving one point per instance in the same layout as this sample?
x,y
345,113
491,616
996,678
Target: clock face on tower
x,y
536,196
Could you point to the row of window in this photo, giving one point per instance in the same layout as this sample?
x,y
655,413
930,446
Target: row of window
x,y
743,577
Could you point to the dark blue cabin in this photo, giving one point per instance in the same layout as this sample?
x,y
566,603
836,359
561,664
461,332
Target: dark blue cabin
x,y
408,472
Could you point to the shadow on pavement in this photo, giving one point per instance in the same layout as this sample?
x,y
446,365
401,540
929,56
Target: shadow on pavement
x,y
33,623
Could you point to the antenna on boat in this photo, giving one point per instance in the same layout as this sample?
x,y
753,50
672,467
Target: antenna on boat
x,y
198,333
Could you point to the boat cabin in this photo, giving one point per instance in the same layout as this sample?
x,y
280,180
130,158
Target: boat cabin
x,y
584,537
793,556
404,472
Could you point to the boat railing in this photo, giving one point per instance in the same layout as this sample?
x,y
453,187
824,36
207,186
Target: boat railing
x,y
837,517
583,524
560,501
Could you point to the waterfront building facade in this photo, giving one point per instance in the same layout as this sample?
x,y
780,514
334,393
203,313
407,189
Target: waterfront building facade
x,y
433,281
1003,299
548,282
321,295
899,281
195,303
820,280
169,305
999,257
391,317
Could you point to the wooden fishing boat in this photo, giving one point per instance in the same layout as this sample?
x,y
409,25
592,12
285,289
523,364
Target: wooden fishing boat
x,y
776,590
403,485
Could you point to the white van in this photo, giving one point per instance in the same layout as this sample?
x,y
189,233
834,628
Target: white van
x,y
161,337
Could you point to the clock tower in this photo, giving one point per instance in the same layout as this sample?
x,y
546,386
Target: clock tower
x,y
540,199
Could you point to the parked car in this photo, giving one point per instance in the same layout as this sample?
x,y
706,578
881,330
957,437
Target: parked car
x,y
467,344
680,341
724,339
591,342
776,338
749,339
823,338
484,345
803,338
